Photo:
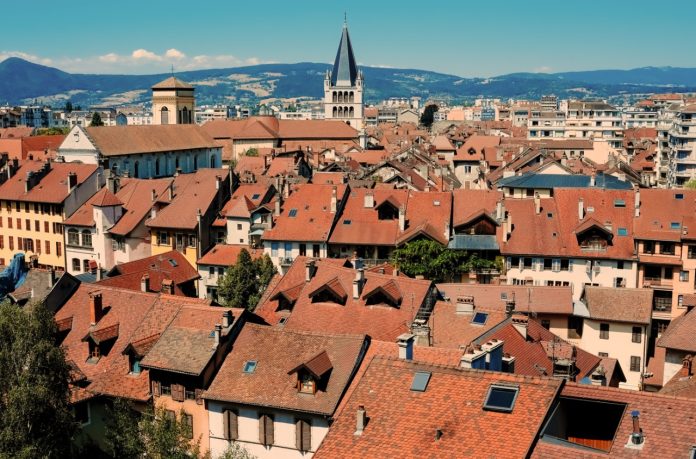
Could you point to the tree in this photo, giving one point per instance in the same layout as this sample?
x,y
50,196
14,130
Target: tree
x,y
245,281
252,152
236,451
68,107
428,115
96,120
691,184
35,417
122,436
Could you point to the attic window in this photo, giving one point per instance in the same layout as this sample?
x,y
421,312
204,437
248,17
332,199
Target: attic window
x,y
480,318
501,398
347,222
255,196
292,213
619,203
249,366
674,225
420,381
679,196
622,232
173,263
436,203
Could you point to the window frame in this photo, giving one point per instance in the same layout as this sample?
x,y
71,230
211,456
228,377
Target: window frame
x,y
501,409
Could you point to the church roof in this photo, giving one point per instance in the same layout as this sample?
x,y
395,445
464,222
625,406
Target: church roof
x,y
345,70
172,83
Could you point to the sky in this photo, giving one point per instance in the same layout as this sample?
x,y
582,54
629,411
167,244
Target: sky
x,y
464,38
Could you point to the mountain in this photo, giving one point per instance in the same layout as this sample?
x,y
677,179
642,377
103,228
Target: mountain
x,y
24,82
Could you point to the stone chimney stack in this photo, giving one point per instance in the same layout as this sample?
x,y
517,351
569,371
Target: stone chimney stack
x,y
402,218
95,307
310,269
334,200
226,319
369,200
581,209
358,283
361,420
217,332
145,283
405,342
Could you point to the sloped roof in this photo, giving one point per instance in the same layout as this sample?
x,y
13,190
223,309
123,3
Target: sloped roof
x,y
127,140
52,188
631,305
172,83
171,265
534,180
680,333
345,69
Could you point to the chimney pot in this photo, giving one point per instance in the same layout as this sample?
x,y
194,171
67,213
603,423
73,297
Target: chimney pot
x,y
95,307
217,332
226,319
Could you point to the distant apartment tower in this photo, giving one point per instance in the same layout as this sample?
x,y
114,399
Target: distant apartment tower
x,y
682,142
173,102
549,103
343,86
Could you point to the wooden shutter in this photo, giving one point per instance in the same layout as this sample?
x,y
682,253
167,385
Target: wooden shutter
x,y
266,429
177,392
230,425
156,388
303,435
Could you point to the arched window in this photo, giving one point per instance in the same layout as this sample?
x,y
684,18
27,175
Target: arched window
x,y
76,264
351,97
185,116
335,96
85,265
86,238
136,171
73,237
340,96
345,96
164,115
212,161
157,167
351,112
335,112
340,112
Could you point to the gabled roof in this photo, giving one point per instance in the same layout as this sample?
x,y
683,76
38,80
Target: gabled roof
x,y
534,180
128,140
345,69
226,254
277,352
317,366
631,305
84,215
590,223
527,299
170,265
334,286
53,186
680,333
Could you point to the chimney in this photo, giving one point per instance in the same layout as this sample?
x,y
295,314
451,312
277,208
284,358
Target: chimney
x,y
637,437
171,190
402,218
369,200
636,204
358,283
153,195
218,182
405,342
72,181
145,283
510,305
593,179
167,286
226,319
217,333
95,307
621,176
277,207
520,322
537,203
687,364
110,183
598,376
309,270
29,182
499,214
117,184
361,421
581,209
334,200
99,273
51,277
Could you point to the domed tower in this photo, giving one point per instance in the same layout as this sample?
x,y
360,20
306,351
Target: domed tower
x,y
173,102
343,86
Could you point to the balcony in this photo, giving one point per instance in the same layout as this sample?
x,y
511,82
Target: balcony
x,y
662,304
656,282
286,261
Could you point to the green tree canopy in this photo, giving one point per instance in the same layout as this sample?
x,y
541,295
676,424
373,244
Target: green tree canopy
x,y
691,184
245,281
96,120
35,417
428,115
68,107
252,152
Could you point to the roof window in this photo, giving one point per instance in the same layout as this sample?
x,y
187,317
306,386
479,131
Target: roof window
x,y
249,366
480,318
173,263
255,196
501,398
347,222
675,225
619,203
292,213
679,196
420,381
622,231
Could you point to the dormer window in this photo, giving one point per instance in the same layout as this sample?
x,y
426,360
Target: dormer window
x,y
94,352
134,363
307,384
313,374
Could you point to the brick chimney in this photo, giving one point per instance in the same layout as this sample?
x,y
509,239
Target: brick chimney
x,y
226,319
405,342
369,202
310,269
537,203
145,283
520,322
95,307
217,333
581,209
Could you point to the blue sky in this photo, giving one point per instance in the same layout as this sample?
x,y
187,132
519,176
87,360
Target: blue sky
x,y
466,38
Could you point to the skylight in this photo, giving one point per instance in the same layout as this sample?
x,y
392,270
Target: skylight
x,y
619,203
679,196
347,222
173,263
501,398
622,231
292,213
420,381
255,196
249,366
479,318
675,225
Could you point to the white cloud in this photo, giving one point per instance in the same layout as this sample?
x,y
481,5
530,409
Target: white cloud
x,y
543,69
139,61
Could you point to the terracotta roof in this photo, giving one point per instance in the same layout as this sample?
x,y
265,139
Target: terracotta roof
x,y
277,352
172,83
245,198
534,299
269,127
136,195
666,422
659,209
84,215
680,333
380,321
306,214
683,383
170,265
192,192
469,203
404,422
454,330
632,305
19,131
52,188
226,254
128,140
473,148
188,343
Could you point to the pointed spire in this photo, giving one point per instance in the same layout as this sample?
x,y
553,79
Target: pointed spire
x,y
345,70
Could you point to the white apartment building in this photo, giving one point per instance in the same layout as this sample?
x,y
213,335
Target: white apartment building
x,y
682,144
546,124
598,121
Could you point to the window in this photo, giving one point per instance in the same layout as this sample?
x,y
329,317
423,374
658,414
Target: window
x,y
249,366
221,271
684,276
565,265
674,225
239,226
59,249
603,354
636,334
575,325
479,318
266,429
622,231
211,271
619,203
292,213
11,240
27,224
162,238
73,237
192,240
187,421
82,413
76,264
46,227
86,238
546,323
37,227
9,222
20,243
548,264
274,249
315,250
527,263
19,223
230,425
303,250
603,331
501,398
667,248
420,381
2,243
619,282
134,365
635,363
164,115
85,264
288,249
691,254
178,392
303,435
48,247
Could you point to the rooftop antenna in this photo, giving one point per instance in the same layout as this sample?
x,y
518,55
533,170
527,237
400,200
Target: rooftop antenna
x,y
345,19
172,69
